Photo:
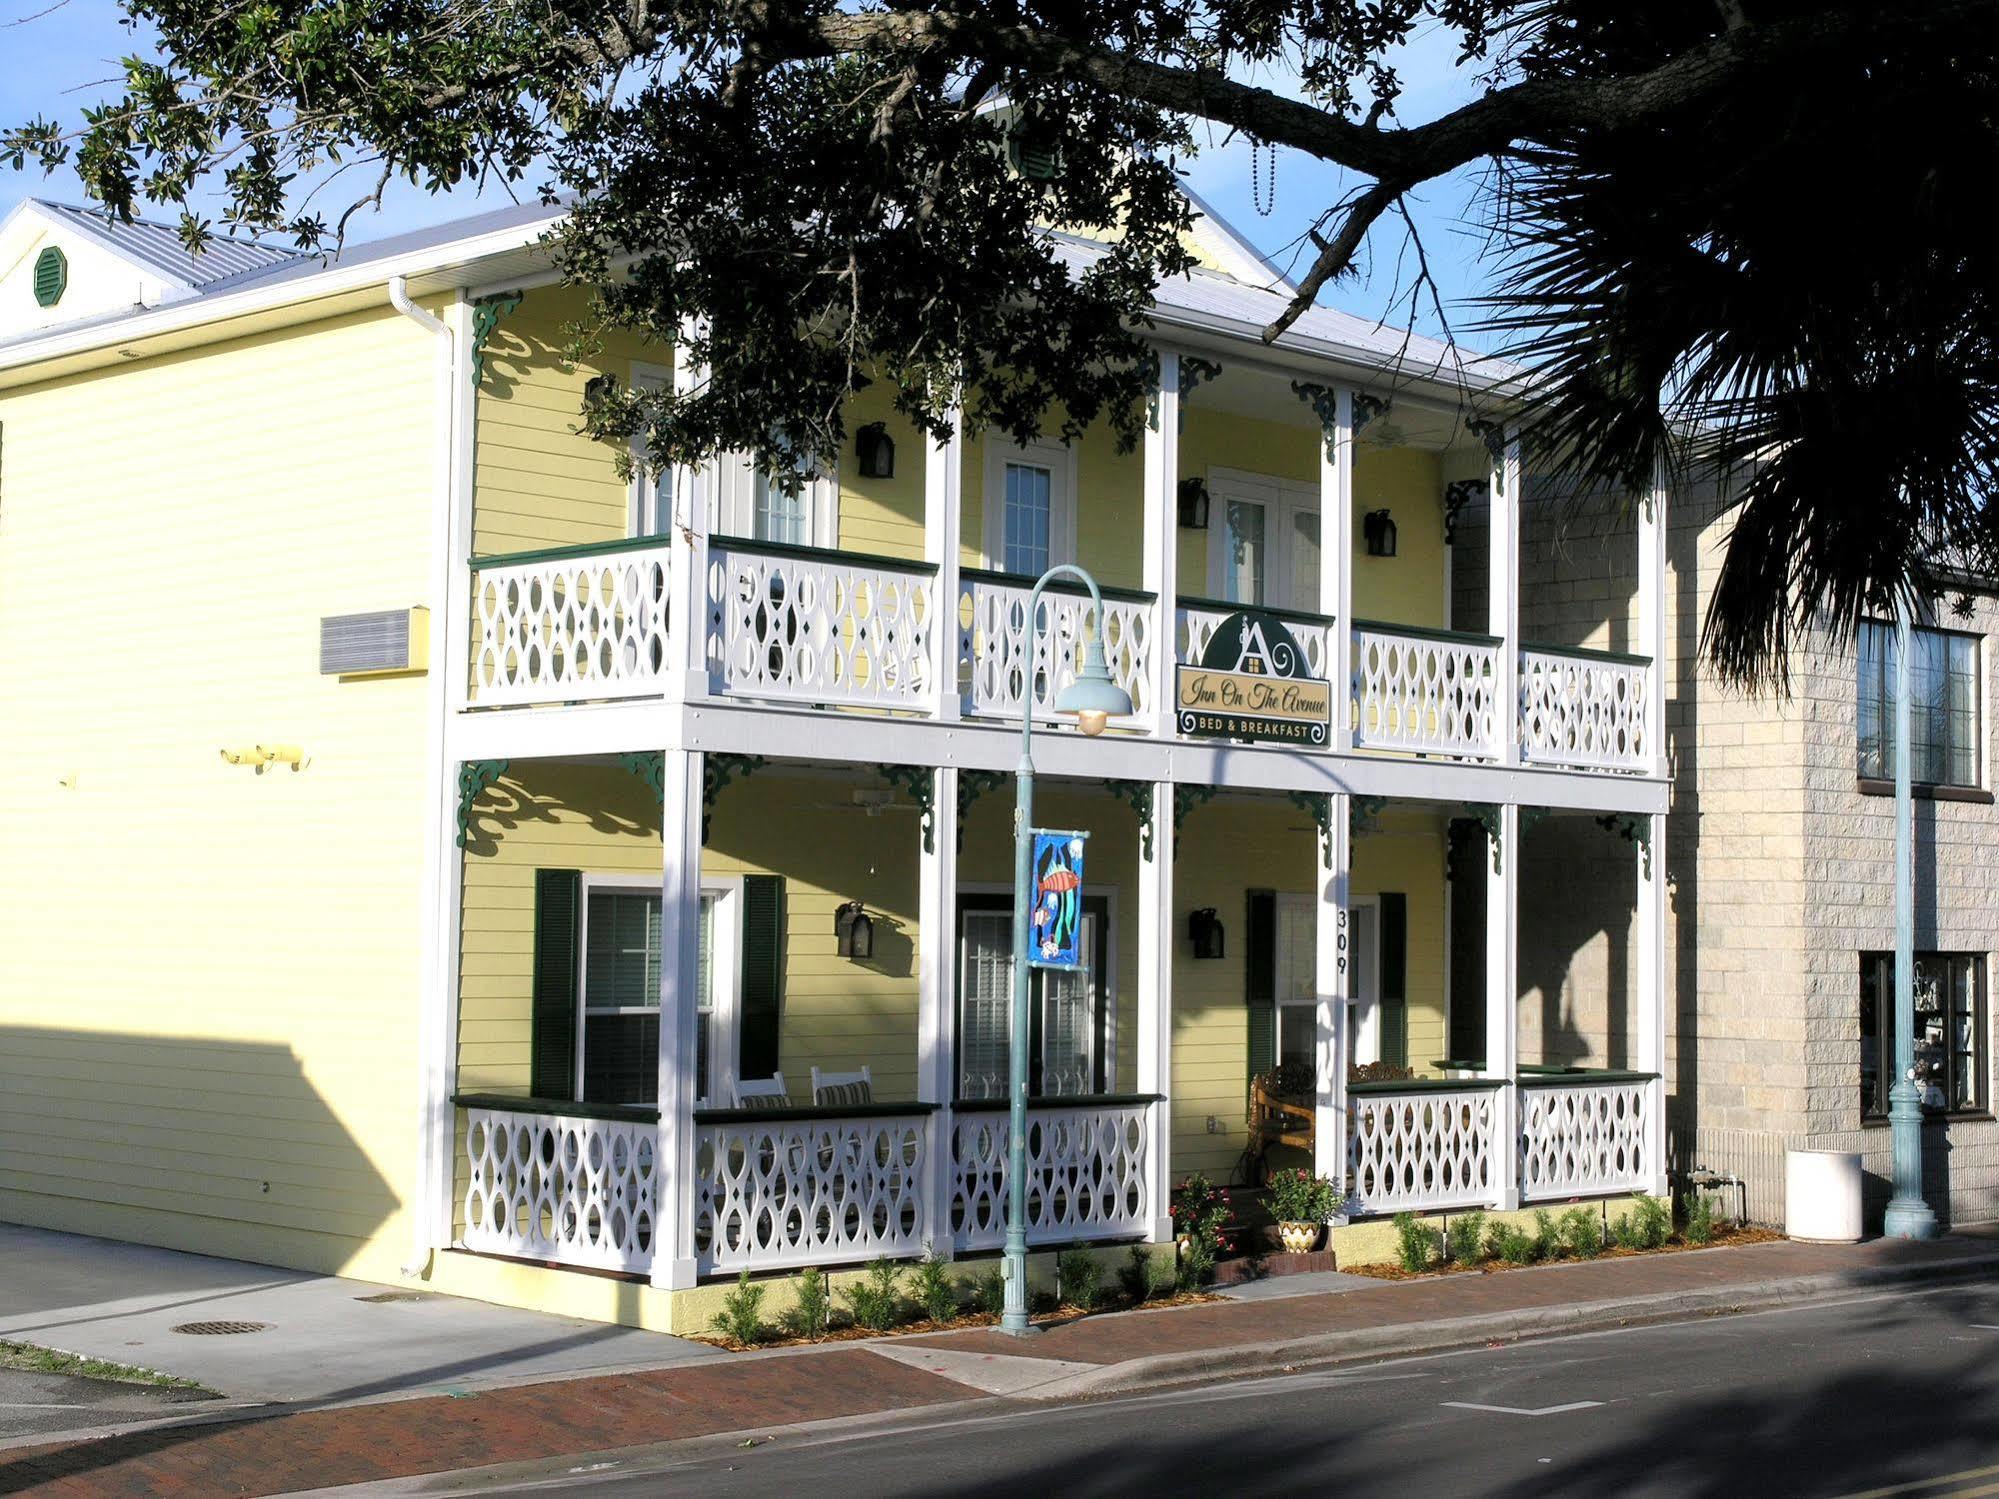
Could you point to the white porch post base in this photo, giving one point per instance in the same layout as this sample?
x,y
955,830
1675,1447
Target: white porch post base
x,y
673,1265
1156,948
1334,982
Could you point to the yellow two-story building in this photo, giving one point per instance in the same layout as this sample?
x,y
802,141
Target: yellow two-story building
x,y
432,852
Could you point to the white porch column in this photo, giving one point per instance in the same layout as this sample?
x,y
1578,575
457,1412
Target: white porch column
x,y
1162,539
1503,596
679,977
937,994
943,481
1157,943
1334,983
1502,1021
1649,1052
1336,561
687,581
1652,617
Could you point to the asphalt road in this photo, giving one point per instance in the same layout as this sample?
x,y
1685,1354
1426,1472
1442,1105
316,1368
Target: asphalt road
x,y
32,1404
1890,1394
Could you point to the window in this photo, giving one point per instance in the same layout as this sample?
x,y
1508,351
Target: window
x,y
1244,565
652,494
780,516
749,505
1073,1036
1943,705
1030,523
1265,550
1950,1031
619,1051
1026,545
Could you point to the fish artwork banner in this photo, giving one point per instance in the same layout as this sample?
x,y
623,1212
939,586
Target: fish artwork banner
x,y
1055,931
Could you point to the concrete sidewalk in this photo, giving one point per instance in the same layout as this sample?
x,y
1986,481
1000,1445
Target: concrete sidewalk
x,y
320,1338
748,1394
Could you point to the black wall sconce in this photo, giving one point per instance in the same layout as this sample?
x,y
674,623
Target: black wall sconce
x,y
854,931
1379,529
1204,930
1194,503
876,450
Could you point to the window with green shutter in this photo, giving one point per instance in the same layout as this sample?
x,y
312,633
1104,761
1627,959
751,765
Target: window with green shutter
x,y
51,276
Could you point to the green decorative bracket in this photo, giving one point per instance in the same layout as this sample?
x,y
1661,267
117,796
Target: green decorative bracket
x,y
1366,407
920,781
973,784
1194,373
1138,796
1632,829
1318,805
1492,434
1458,495
649,766
475,777
1486,815
1364,814
716,772
486,315
1186,797
1325,406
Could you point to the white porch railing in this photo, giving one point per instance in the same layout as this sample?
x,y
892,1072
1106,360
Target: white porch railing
x,y
1584,709
1422,1145
1086,1172
570,624
797,624
1584,1136
799,1188
1425,691
578,1191
992,644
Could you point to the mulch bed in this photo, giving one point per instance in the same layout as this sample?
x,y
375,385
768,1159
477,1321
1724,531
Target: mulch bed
x,y
1724,1238
970,1322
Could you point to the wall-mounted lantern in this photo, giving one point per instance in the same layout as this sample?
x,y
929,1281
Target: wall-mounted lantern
x,y
876,450
1204,930
854,931
1194,503
1379,528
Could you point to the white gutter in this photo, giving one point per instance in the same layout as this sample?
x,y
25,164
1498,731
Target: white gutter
x,y
399,298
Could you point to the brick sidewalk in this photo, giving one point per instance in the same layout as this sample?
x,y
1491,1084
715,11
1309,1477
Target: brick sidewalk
x,y
569,1418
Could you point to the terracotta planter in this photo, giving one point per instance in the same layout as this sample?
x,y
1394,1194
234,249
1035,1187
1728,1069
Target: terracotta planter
x,y
1298,1238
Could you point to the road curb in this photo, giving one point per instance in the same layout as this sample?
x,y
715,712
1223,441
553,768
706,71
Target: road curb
x,y
1162,1370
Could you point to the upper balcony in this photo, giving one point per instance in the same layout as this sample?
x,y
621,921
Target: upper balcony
x,y
904,592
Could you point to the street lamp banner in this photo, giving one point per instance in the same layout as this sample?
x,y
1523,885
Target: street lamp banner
x,y
1055,931
1251,683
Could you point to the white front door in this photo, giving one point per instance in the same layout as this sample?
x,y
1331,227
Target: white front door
x,y
1263,541
1297,981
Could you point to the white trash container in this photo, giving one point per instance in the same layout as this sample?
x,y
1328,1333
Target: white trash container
x,y
1822,1196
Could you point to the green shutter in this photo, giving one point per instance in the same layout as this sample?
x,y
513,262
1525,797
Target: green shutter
x,y
1393,929
763,974
558,904
1260,980
51,276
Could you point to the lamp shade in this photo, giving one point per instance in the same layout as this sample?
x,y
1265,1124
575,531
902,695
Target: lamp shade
x,y
1093,693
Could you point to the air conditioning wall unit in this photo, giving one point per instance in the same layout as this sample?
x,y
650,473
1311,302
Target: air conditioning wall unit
x,y
384,643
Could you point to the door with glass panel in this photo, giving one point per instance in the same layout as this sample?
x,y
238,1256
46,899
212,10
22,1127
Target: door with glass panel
x,y
1030,512
1069,1027
1297,938
1263,542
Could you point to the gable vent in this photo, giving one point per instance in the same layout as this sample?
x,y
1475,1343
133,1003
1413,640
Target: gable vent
x,y
388,640
51,276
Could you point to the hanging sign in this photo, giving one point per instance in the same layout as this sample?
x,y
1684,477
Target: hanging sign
x,y
1251,683
1055,930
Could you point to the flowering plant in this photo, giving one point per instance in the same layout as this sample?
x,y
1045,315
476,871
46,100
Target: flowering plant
x,y
1297,1196
1200,1209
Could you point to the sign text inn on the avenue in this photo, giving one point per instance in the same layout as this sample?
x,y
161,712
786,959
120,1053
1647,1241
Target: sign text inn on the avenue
x,y
1251,683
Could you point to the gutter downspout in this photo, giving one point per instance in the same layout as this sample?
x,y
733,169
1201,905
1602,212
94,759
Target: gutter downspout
x,y
432,998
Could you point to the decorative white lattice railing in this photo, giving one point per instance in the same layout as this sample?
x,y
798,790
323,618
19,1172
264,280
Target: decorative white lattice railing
x,y
1196,619
1584,709
1422,1145
570,625
796,624
1086,1172
1585,1136
1425,691
578,1191
797,1187
992,643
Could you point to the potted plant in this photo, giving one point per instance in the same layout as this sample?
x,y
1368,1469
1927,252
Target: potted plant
x,y
1301,1204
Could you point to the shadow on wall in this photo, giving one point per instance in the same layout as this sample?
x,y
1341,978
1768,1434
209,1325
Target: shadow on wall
x,y
218,1146
1578,892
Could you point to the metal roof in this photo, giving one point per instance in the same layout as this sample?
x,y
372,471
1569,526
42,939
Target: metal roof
x,y
158,247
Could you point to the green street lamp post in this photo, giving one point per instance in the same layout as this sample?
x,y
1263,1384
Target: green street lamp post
x,y
1908,1215
1094,699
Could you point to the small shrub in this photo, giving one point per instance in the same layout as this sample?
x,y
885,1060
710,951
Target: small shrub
x,y
1512,1244
989,1292
1582,1232
1700,1219
1654,1221
1625,1232
934,1291
877,1301
1079,1279
1416,1244
741,1317
1297,1196
1199,1211
811,1307
1465,1238
1547,1238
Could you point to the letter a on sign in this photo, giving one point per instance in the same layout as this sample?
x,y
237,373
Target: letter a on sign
x,y
1055,930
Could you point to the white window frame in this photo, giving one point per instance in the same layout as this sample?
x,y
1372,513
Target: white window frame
x,y
725,969
1060,461
643,494
1280,499
1365,1001
1108,894
735,508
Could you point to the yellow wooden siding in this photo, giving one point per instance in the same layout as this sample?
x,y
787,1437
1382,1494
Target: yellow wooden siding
x,y
209,1004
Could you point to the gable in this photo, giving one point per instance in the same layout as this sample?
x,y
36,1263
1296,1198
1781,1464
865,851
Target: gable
x,y
98,282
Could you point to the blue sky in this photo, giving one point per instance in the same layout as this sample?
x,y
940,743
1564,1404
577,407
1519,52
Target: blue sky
x,y
57,61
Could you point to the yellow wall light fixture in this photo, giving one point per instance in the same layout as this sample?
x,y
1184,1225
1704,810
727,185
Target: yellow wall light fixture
x,y
263,756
